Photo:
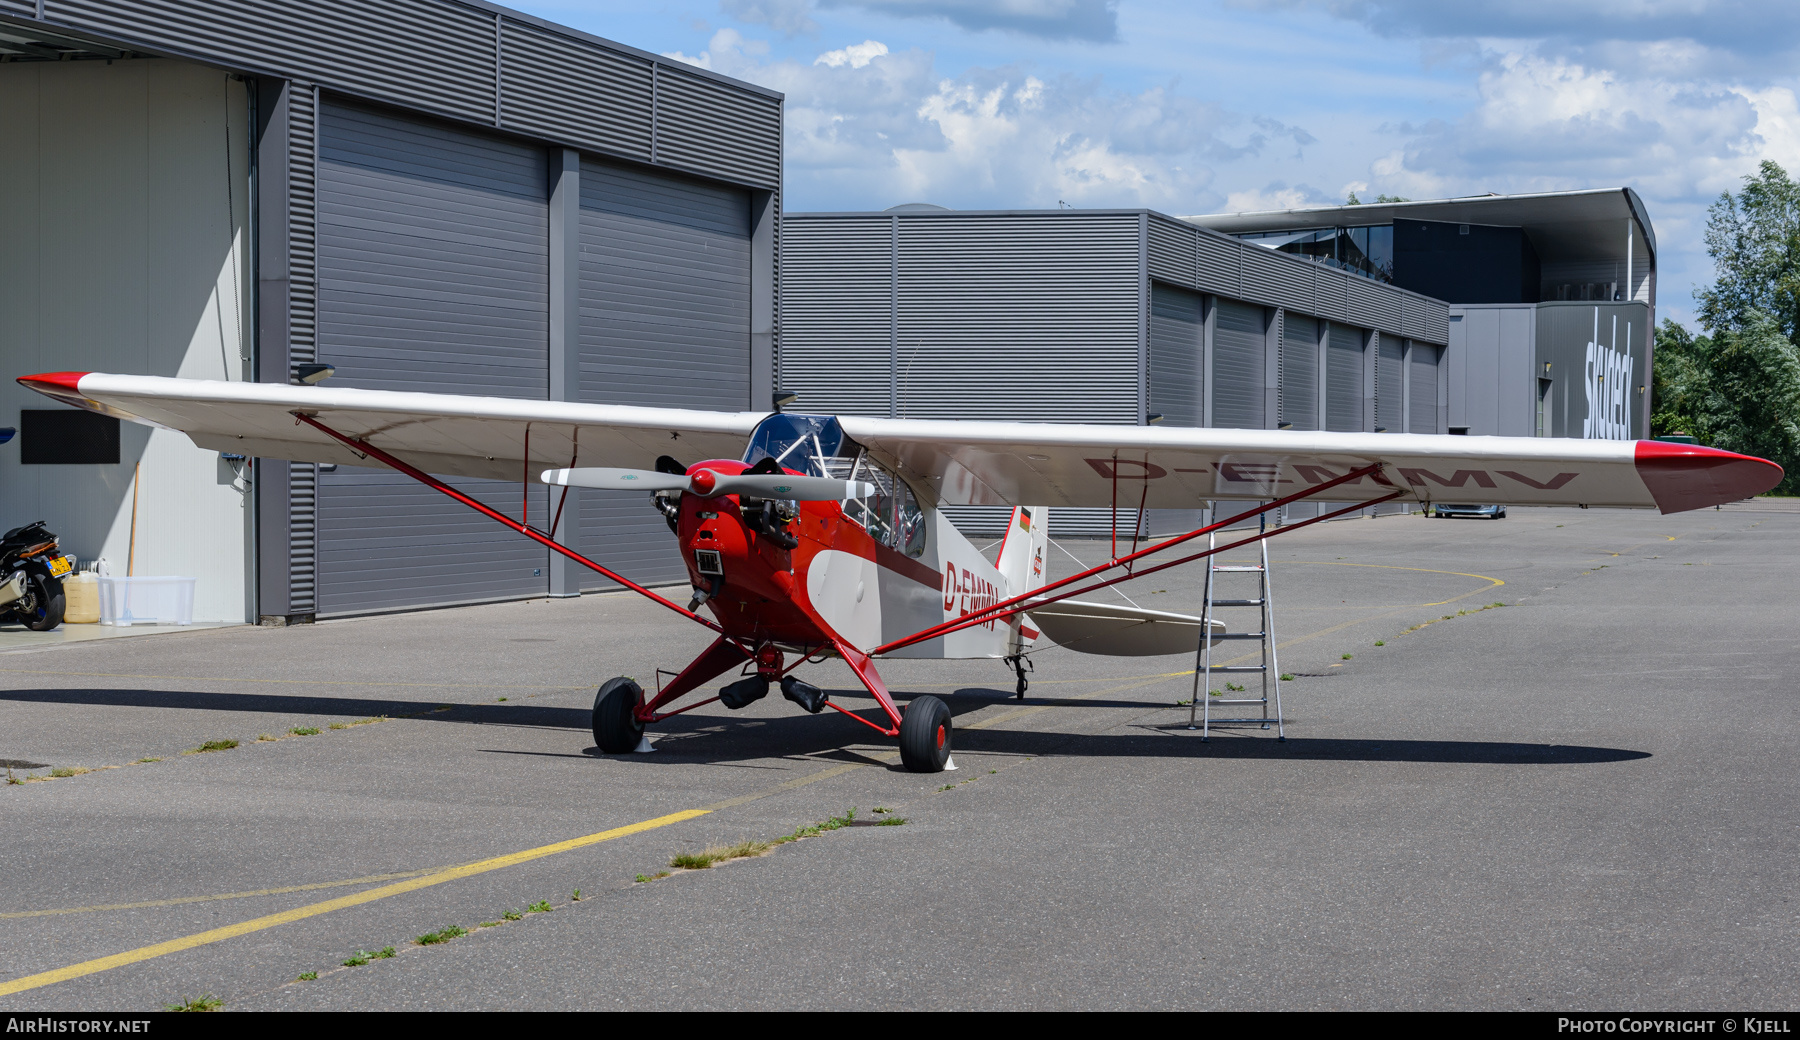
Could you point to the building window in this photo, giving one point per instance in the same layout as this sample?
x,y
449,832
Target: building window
x,y
1368,251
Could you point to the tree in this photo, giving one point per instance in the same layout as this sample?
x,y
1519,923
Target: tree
x,y
1754,240
1738,389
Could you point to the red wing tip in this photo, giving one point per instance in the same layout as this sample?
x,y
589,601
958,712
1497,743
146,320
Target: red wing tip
x,y
70,381
1689,476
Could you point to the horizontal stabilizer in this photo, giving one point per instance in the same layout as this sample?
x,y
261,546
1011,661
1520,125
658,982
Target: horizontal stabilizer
x,y
1116,630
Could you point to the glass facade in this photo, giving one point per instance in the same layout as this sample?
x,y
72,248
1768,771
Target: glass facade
x,y
1368,251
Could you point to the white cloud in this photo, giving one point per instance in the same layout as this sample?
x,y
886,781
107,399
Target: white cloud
x,y
1092,20
856,55
789,17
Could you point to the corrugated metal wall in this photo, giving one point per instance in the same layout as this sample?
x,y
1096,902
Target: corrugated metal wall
x,y
433,275
1344,379
838,303
1300,372
1240,362
474,63
1390,381
1177,355
1422,391
665,321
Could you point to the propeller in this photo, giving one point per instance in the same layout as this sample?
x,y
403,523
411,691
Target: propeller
x,y
708,484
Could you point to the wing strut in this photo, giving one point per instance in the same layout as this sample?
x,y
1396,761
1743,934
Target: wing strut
x,y
1037,598
527,530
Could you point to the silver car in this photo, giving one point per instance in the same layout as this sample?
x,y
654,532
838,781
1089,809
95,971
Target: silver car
x,y
1447,509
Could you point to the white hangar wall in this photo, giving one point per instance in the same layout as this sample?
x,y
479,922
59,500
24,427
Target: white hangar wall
x,y
124,194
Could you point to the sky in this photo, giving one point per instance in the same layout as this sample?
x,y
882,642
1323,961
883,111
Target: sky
x,y
1212,106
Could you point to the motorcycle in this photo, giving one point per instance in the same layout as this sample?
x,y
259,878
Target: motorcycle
x,y
31,572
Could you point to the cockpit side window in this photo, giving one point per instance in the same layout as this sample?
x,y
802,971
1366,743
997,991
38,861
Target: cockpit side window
x,y
816,445
891,515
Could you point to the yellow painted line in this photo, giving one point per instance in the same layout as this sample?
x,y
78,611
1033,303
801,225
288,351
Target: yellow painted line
x,y
184,900
144,953
287,682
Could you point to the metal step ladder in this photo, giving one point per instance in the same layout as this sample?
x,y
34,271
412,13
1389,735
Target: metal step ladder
x,y
1200,714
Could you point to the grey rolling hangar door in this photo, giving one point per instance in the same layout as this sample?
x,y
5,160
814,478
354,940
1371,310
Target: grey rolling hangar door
x,y
665,321
433,275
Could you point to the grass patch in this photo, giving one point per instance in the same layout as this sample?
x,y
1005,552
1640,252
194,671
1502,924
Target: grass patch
x,y
308,976
442,935
260,737
947,787
1380,642
201,1003
340,725
11,779
496,924
217,745
69,771
878,810
141,761
891,821
358,959
720,853
1287,676
576,898
512,915
502,698
305,731
1234,687
542,906
382,954
643,878
1450,617
820,828
1347,657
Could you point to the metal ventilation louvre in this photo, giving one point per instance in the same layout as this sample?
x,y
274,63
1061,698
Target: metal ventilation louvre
x,y
1372,305
1270,277
1344,380
1331,297
837,320
1423,392
433,274
711,128
558,87
439,56
1390,380
1039,315
1221,264
1300,372
1240,350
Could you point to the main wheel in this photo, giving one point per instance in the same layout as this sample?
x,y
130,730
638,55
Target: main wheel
x,y
925,732
41,608
616,726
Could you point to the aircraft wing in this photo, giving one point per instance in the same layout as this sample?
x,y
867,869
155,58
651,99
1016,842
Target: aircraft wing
x,y
447,434
1012,463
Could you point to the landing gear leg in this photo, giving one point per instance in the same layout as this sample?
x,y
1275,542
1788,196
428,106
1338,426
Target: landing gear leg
x,y
1020,664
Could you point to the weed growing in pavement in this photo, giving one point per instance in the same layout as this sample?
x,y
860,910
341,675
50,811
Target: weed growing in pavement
x,y
1234,687
382,954
947,787
1451,617
442,935
576,898
358,959
1347,657
69,771
305,731
705,858
1380,642
141,761
1287,676
542,906
339,725
502,698
308,976
512,915
641,878
490,924
217,745
891,821
260,737
10,778
201,1003
878,810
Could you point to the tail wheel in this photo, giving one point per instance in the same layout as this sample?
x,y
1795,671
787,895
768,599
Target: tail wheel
x,y
616,726
925,733
41,608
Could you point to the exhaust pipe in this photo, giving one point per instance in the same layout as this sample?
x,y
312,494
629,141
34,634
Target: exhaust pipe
x,y
13,589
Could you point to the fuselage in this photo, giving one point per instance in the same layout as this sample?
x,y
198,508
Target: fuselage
x,y
838,580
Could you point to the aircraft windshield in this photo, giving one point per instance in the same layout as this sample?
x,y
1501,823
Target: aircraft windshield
x,y
816,445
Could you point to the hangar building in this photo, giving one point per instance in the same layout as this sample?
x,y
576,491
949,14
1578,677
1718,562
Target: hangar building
x,y
425,194
1552,297
1102,316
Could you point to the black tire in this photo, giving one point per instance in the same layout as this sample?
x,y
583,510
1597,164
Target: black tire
x,y
616,726
925,732
1501,515
41,608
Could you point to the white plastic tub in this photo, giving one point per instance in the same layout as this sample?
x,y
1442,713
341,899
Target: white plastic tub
x,y
147,601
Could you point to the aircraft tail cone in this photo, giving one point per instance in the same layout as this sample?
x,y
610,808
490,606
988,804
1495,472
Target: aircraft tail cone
x,y
644,746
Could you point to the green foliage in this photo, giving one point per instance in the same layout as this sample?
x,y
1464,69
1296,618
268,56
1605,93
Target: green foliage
x,y
1390,198
1738,389
309,976
1353,200
1754,240
203,1003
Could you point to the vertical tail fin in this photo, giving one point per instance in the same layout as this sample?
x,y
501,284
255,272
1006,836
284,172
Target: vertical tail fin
x,y
1022,564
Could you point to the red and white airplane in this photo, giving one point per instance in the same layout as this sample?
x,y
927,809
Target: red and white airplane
x,y
811,536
